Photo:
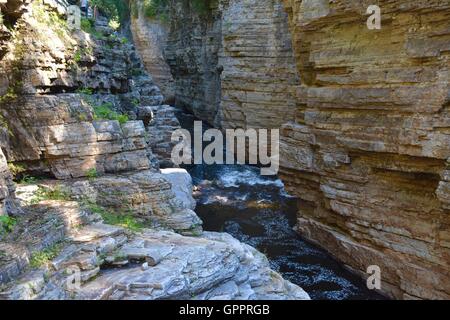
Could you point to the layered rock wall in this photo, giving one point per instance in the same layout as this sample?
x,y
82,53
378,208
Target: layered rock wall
x,y
150,39
233,63
60,89
259,77
367,154
73,108
192,53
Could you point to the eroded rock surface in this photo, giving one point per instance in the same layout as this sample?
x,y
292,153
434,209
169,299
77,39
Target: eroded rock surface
x,y
150,39
367,154
115,264
100,220
192,52
58,82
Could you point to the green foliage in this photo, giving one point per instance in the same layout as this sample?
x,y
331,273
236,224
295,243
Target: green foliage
x,y
135,72
156,9
50,19
125,220
86,91
16,73
114,24
87,25
7,224
26,179
12,93
55,193
4,124
116,10
42,258
59,24
77,56
104,112
16,169
200,6
92,173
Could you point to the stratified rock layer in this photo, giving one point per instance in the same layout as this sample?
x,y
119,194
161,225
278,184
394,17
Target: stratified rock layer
x,y
232,62
105,227
259,76
367,154
192,53
150,39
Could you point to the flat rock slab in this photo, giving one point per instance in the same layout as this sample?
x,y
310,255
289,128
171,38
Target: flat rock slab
x,y
94,232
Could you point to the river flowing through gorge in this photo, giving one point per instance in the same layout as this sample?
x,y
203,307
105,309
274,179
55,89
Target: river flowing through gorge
x,y
256,210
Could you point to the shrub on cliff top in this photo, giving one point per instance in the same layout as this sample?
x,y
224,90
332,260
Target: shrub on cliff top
x,y
155,8
116,10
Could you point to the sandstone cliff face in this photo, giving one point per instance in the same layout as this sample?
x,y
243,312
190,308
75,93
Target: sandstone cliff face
x,y
233,63
150,39
192,53
367,154
259,76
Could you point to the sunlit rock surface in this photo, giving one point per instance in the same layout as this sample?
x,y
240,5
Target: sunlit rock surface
x,y
93,217
367,154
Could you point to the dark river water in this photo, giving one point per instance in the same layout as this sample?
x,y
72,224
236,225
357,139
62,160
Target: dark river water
x,y
256,210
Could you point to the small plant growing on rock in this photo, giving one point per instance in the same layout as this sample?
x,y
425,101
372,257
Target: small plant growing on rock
x,y
125,220
200,6
135,72
114,24
16,169
87,25
56,193
104,112
86,91
92,173
44,257
27,180
135,102
7,224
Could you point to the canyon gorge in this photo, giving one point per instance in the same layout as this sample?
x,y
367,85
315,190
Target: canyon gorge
x,y
86,117
363,117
